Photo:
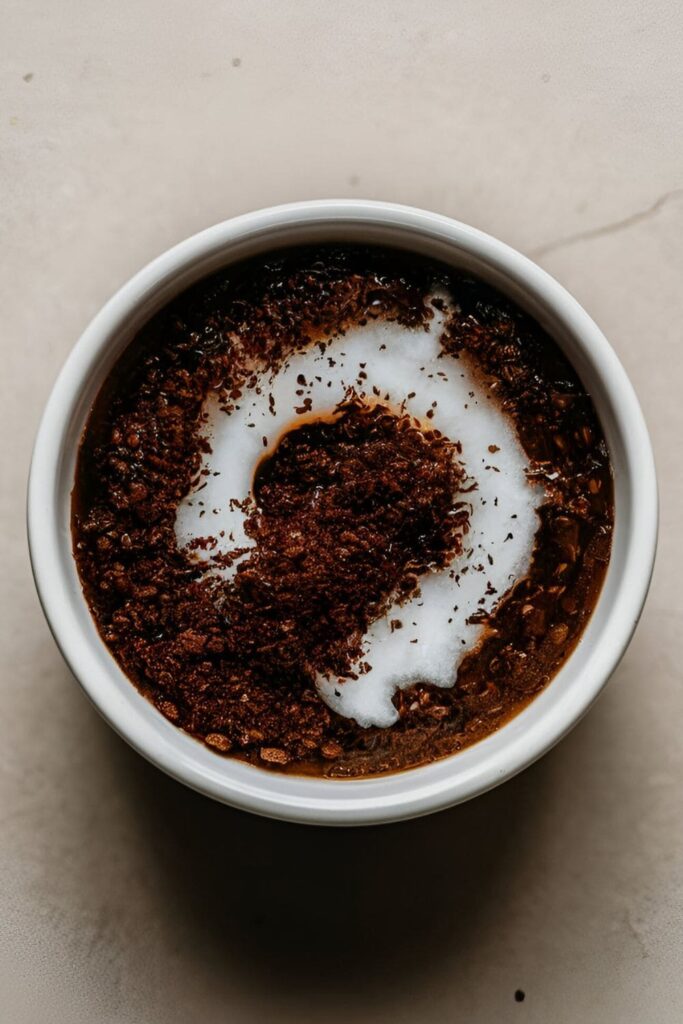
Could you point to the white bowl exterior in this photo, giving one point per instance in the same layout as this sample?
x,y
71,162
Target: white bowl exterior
x,y
420,790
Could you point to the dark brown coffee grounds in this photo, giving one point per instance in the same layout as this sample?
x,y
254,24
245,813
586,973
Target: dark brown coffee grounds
x,y
346,514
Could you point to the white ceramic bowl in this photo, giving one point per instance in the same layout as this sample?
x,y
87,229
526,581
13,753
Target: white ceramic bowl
x,y
421,790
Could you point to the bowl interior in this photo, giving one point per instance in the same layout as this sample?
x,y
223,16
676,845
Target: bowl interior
x,y
416,791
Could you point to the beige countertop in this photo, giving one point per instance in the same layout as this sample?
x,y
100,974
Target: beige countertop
x,y
127,126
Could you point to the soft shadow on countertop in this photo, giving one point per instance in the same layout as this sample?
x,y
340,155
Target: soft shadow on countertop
x,y
327,909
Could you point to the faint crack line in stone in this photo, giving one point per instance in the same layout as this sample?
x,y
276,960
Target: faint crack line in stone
x,y
607,229
636,934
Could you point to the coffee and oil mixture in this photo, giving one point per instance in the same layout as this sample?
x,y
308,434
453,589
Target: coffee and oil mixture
x,y
352,515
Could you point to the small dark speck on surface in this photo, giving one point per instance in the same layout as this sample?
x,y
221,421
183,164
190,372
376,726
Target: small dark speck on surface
x,y
520,996
236,62
545,77
28,77
354,180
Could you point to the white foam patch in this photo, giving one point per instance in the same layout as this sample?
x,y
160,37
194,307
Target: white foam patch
x,y
399,362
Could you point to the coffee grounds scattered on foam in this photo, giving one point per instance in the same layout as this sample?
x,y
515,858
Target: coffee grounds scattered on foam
x,y
145,446
348,515
407,368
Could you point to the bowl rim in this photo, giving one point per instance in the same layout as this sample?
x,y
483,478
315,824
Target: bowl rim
x,y
406,794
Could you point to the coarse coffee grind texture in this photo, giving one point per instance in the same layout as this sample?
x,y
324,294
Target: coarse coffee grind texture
x,y
347,513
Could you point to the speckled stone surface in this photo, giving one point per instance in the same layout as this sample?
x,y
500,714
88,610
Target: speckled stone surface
x,y
125,127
